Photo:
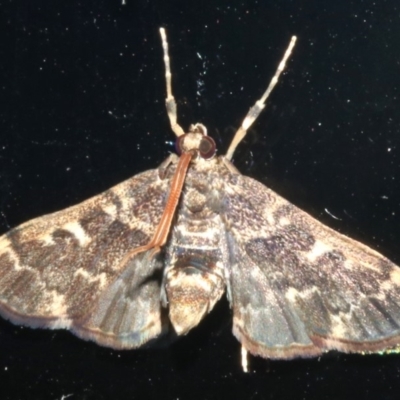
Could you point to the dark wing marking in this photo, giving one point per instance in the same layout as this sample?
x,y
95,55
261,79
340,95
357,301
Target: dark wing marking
x,y
299,288
67,269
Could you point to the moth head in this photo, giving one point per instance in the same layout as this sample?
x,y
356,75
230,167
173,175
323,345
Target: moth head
x,y
196,140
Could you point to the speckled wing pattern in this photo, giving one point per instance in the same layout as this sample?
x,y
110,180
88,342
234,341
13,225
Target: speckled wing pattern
x,y
156,252
296,287
299,288
71,269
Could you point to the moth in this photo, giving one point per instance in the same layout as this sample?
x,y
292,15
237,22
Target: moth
x,y
156,252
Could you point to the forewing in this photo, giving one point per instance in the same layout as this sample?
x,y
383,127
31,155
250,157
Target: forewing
x,y
299,288
72,269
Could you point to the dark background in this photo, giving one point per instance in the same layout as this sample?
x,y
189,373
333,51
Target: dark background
x,y
83,91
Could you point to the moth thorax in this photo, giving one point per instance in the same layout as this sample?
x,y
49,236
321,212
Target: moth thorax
x,y
191,295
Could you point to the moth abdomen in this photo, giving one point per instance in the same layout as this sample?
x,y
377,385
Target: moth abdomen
x,y
192,289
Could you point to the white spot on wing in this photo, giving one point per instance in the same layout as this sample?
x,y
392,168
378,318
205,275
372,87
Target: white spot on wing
x,y
4,244
101,278
291,294
48,240
318,249
58,306
339,327
395,276
76,229
284,221
111,210
390,283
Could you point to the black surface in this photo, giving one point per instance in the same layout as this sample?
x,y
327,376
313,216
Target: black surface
x,y
83,109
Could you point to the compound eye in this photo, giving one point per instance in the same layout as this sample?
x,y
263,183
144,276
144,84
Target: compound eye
x,y
179,144
207,147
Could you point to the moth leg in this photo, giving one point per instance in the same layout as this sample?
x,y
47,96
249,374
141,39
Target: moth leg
x,y
229,166
245,361
163,228
170,102
255,111
163,167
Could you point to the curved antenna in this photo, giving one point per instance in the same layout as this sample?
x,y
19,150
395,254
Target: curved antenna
x,y
170,102
255,111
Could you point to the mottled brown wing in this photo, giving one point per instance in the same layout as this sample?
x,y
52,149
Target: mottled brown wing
x,y
298,288
71,269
